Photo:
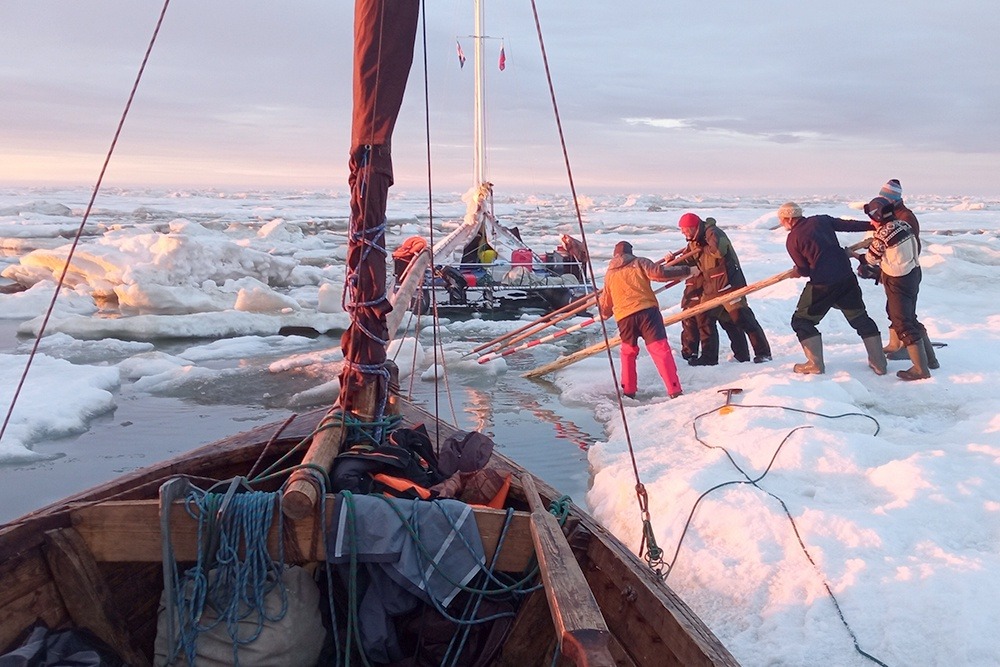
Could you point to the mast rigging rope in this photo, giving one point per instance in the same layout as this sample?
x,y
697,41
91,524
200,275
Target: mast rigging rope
x,y
86,216
653,554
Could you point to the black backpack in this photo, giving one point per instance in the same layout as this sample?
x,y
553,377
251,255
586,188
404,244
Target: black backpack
x,y
407,454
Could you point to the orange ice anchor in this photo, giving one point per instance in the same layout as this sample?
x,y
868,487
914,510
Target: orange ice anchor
x,y
727,408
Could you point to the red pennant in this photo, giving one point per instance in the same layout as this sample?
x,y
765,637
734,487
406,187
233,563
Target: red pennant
x,y
461,55
503,60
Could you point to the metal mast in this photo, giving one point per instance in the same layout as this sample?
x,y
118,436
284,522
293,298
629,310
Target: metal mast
x,y
479,138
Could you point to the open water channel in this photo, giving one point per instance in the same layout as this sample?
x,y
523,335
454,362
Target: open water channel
x,y
526,419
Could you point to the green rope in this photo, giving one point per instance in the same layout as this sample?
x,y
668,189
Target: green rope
x,y
560,508
353,627
492,585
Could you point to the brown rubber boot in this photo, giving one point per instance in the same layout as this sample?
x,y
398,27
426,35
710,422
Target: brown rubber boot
x,y
919,369
813,347
932,361
876,355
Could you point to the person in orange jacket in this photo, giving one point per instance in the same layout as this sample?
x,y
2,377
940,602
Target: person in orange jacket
x,y
628,296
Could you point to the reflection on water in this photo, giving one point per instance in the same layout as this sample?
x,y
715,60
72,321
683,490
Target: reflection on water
x,y
525,418
483,405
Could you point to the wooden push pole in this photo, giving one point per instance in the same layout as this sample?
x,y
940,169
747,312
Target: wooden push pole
x,y
562,362
567,311
559,334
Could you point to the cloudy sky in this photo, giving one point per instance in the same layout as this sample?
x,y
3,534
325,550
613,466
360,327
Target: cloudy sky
x,y
731,96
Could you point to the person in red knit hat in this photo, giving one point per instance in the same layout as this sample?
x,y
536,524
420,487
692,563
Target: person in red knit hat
x,y
721,273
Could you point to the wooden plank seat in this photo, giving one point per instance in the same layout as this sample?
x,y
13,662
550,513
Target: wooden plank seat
x,y
129,531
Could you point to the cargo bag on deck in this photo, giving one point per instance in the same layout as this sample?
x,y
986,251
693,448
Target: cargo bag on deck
x,y
406,553
290,634
464,452
407,456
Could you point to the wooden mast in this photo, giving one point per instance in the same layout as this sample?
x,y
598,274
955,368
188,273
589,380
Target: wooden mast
x,y
384,36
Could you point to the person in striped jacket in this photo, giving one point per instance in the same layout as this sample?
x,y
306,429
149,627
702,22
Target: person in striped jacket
x,y
894,249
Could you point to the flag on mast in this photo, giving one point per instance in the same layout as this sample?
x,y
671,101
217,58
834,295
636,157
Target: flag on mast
x,y
461,54
503,59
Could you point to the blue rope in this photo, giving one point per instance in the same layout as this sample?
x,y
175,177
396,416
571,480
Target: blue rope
x,y
352,279
234,587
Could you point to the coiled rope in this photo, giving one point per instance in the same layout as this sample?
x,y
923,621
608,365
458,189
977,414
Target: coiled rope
x,y
234,572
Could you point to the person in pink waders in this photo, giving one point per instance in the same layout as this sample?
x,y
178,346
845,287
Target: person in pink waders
x,y
628,296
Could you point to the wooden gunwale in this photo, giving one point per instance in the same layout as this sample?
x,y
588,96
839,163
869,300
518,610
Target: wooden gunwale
x,y
632,597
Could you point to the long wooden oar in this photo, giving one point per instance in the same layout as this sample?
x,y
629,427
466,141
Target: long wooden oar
x,y
573,307
544,339
562,362
561,314
550,323
581,630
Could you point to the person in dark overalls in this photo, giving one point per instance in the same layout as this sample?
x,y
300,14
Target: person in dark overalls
x,y
721,273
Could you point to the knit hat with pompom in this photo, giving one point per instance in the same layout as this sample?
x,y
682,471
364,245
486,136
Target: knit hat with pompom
x,y
892,191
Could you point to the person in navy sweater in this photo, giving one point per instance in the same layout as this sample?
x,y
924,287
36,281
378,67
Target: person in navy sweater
x,y
817,254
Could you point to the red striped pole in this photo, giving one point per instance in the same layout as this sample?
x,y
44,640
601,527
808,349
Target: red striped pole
x,y
544,339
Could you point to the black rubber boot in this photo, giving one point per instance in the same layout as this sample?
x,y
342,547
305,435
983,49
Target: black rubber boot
x,y
932,361
689,338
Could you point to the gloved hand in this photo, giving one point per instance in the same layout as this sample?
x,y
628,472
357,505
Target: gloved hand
x,y
869,272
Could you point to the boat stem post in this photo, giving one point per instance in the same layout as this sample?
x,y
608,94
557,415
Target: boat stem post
x,y
303,490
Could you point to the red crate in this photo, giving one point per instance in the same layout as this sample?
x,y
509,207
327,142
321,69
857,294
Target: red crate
x,y
521,257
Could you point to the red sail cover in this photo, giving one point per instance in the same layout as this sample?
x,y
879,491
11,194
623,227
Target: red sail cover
x,y
384,34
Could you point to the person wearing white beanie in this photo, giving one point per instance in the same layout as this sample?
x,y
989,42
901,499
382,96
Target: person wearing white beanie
x,y
894,251
813,246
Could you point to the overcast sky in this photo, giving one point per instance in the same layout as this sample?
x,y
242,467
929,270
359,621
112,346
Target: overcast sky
x,y
737,97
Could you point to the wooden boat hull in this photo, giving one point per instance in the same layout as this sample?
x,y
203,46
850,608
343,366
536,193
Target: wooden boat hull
x,y
59,564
